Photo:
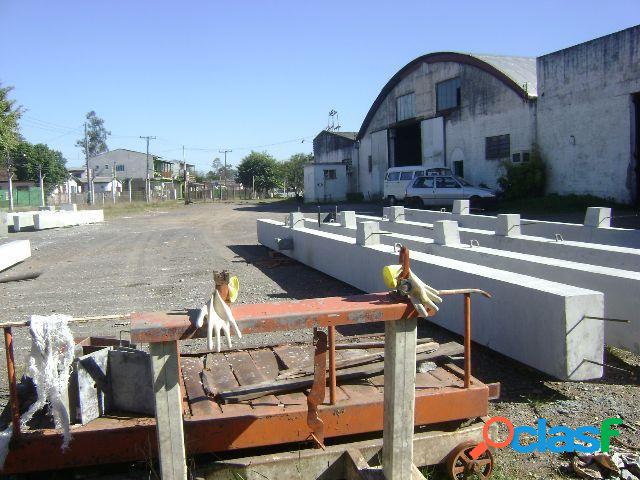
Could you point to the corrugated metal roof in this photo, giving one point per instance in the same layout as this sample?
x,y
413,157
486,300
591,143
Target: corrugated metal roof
x,y
522,70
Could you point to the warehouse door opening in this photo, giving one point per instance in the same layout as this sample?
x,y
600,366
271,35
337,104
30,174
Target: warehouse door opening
x,y
407,145
636,145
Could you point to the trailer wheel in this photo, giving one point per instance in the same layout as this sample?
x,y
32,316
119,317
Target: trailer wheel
x,y
461,466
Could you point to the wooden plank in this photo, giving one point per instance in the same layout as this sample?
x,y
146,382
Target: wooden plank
x,y
166,387
295,356
266,362
244,368
255,391
399,397
217,376
199,401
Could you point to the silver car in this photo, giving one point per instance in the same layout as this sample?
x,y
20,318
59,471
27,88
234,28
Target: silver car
x,y
443,190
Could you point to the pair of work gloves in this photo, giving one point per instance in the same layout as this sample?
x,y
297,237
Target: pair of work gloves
x,y
219,319
422,296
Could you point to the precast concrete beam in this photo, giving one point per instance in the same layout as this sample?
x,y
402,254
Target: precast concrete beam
x,y
596,229
508,225
446,232
46,220
14,252
21,221
538,322
347,218
4,229
461,207
367,233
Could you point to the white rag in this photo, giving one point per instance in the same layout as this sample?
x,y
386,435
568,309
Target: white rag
x,y
49,367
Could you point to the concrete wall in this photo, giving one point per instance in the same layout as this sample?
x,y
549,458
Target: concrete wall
x,y
603,234
14,252
585,115
534,321
135,164
4,228
317,188
46,220
488,108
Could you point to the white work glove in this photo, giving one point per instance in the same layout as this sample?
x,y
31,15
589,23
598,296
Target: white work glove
x,y
219,318
423,296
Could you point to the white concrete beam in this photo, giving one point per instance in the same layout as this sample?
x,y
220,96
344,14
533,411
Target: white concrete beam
x,y
14,252
535,321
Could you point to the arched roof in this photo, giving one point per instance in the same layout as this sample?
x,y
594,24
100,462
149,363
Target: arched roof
x,y
517,73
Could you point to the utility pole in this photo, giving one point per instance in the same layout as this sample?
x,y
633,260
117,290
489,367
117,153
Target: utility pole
x,y
225,172
114,182
186,179
86,161
10,180
41,177
147,189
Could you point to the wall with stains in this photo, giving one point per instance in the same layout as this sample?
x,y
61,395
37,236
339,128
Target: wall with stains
x,y
585,115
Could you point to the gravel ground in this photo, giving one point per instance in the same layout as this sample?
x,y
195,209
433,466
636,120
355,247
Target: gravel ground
x,y
162,259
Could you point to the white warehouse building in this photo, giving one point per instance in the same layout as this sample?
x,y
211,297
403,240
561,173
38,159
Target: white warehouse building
x,y
580,107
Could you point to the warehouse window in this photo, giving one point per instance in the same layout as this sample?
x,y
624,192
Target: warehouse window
x,y
497,147
448,95
370,164
406,107
515,158
119,168
525,156
329,174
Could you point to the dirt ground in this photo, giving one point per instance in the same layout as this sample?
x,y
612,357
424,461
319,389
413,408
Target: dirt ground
x,y
162,259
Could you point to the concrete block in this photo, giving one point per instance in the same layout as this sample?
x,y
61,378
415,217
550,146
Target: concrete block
x,y
535,321
22,221
446,232
367,233
4,229
296,220
395,214
508,225
46,220
14,252
461,207
598,217
621,237
347,218
47,208
90,372
69,207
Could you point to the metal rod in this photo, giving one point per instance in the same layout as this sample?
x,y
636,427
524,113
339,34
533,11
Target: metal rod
x,y
13,386
26,323
606,365
606,319
464,291
332,365
467,340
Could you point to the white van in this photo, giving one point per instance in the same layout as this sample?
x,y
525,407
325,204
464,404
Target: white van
x,y
399,178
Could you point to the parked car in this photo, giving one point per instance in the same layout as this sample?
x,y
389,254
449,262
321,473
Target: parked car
x,y
443,190
399,178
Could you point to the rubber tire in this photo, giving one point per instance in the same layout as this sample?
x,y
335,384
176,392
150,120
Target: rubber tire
x,y
475,202
391,201
417,203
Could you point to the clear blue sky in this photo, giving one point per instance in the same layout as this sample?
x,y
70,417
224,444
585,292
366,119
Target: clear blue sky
x,y
239,74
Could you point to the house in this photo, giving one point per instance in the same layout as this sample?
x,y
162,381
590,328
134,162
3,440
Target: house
x,y
133,166
580,107
106,184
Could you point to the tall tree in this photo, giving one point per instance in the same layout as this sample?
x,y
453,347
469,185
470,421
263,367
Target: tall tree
x,y
96,136
27,158
293,170
9,116
261,168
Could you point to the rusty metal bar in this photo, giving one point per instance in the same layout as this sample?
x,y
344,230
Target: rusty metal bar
x,y
467,340
13,386
316,394
154,327
332,365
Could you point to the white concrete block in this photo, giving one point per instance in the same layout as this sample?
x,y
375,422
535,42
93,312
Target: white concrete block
x,y
598,217
47,208
445,232
347,218
508,225
296,220
4,229
535,321
14,252
461,207
22,220
395,214
46,220
367,233
621,237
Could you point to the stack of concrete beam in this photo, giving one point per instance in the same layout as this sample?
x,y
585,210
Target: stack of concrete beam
x,y
41,220
550,295
14,252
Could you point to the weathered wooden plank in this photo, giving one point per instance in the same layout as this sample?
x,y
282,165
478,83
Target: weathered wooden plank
x,y
266,362
244,368
295,356
217,376
199,401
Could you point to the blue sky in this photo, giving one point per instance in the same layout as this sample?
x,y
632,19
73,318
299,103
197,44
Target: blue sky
x,y
211,75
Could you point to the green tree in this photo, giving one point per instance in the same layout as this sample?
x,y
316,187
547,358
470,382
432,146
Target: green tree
x,y
9,116
96,136
293,170
27,158
261,167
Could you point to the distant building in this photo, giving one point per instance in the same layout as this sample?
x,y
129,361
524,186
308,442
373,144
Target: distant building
x,y
134,166
579,106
